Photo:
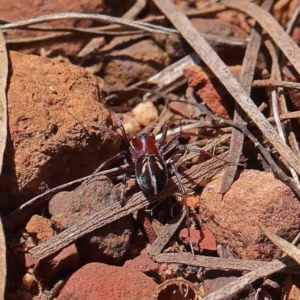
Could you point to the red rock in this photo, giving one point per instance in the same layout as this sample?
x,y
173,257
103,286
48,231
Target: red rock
x,y
210,90
29,260
39,228
52,268
51,139
99,281
142,263
254,197
109,244
202,240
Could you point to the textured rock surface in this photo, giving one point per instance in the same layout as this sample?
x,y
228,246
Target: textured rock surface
x,y
39,228
99,281
202,240
50,140
142,263
254,197
52,268
131,60
108,244
209,89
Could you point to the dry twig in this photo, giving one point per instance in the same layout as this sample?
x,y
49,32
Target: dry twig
x,y
166,234
275,83
96,17
217,263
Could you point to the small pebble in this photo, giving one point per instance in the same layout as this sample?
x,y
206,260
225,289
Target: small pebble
x,y
145,113
28,281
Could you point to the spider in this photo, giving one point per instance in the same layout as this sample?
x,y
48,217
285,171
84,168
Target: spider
x,y
149,158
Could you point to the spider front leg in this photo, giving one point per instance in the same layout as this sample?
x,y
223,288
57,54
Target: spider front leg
x,y
108,163
163,136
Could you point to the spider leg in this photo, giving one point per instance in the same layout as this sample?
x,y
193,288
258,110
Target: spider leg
x,y
183,192
108,163
163,136
171,151
124,135
165,147
170,142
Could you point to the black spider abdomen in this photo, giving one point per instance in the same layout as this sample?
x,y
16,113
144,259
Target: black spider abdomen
x,y
151,174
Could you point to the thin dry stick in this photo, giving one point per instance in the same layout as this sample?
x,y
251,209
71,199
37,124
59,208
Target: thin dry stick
x,y
190,179
275,83
138,6
293,20
247,74
219,263
161,241
271,26
97,17
209,56
205,124
174,72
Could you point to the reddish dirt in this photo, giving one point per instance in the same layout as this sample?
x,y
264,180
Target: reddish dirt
x,y
254,197
99,281
50,140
